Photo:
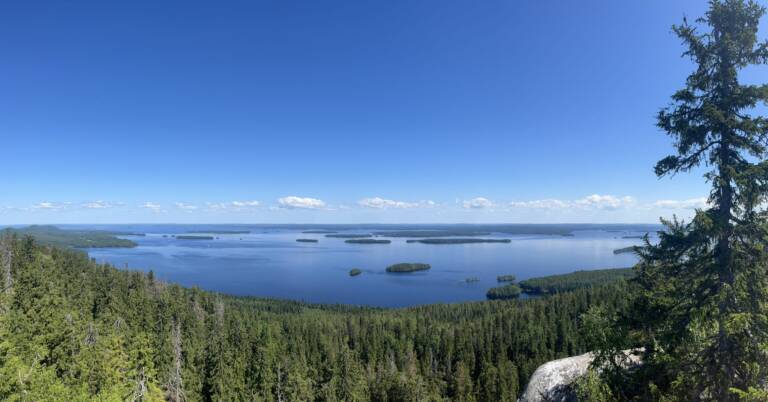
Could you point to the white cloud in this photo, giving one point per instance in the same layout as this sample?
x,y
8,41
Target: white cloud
x,y
382,203
245,204
49,206
151,206
293,202
478,203
594,201
96,205
549,203
692,203
233,205
184,206
608,202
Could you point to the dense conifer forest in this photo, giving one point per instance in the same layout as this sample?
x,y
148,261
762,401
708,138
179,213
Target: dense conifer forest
x,y
71,329
574,280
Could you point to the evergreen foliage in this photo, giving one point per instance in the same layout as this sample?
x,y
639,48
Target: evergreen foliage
x,y
574,280
55,236
510,291
701,310
72,329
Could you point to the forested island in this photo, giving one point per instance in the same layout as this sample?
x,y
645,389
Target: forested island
x,y
307,240
458,241
432,233
506,278
79,330
318,232
54,236
221,231
355,272
575,280
506,292
194,237
408,267
368,241
624,250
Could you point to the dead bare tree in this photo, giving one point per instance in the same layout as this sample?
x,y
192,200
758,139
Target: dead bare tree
x,y
140,389
91,335
175,386
219,312
6,258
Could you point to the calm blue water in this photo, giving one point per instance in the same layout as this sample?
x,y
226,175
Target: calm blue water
x,y
270,263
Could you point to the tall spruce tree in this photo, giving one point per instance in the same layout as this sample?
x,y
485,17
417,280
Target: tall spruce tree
x,y
703,305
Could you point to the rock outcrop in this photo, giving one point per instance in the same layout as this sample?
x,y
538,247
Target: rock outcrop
x,y
553,381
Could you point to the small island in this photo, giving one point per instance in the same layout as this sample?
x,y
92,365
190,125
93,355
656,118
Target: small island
x,y
506,278
119,233
194,237
408,267
457,241
355,272
306,240
318,231
472,279
506,292
625,250
221,231
349,236
431,233
367,241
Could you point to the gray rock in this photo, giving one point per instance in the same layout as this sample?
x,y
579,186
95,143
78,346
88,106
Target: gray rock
x,y
553,381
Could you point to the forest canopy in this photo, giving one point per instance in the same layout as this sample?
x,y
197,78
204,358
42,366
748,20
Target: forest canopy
x,y
79,330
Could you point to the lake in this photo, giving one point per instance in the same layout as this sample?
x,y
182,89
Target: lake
x,y
268,262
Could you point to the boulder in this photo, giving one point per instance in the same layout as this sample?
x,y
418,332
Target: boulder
x,y
553,381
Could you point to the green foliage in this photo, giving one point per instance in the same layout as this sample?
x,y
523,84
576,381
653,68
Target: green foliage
x,y
626,250
458,241
593,388
574,280
71,329
432,233
54,236
700,312
506,292
221,231
408,267
194,237
367,241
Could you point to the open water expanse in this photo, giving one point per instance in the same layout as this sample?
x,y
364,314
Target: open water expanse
x,y
268,262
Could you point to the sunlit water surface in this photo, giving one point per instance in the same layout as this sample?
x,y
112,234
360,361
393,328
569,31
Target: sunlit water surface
x,y
269,262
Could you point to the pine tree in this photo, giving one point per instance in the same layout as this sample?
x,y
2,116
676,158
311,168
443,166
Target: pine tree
x,y
704,286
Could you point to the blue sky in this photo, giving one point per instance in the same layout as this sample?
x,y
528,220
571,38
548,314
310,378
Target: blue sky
x,y
353,111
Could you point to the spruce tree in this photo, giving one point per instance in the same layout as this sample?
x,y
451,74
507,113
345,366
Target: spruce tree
x,y
704,286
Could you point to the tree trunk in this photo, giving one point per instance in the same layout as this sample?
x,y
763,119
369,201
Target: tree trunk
x,y
725,268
